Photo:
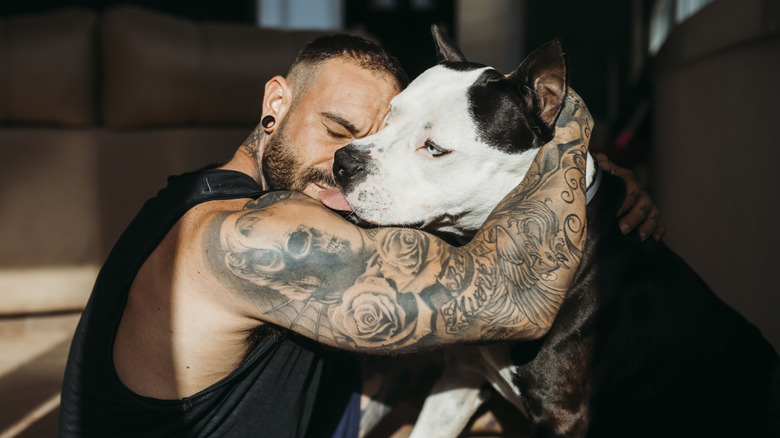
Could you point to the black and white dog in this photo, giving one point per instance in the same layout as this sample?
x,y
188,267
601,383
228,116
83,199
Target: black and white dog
x,y
640,347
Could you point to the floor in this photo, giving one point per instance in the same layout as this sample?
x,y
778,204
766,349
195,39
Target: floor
x,y
33,352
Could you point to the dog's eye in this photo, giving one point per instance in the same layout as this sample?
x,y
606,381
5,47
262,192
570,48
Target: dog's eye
x,y
434,149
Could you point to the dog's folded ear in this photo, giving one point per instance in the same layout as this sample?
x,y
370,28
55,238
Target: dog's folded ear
x,y
542,78
446,49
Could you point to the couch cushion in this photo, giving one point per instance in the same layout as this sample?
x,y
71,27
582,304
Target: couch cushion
x,y
47,67
50,197
164,70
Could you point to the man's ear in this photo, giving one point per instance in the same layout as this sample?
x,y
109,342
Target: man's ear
x,y
277,99
542,78
446,49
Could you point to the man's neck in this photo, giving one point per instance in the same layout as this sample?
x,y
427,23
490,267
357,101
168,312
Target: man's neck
x,y
248,157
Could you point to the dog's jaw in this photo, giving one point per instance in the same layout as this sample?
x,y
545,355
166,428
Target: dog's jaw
x,y
465,225
473,211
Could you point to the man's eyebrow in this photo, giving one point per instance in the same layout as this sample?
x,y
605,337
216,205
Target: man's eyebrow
x,y
341,121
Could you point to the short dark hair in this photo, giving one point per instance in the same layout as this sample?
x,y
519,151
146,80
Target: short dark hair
x,y
365,53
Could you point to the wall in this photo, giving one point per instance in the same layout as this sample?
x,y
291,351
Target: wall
x,y
716,152
490,32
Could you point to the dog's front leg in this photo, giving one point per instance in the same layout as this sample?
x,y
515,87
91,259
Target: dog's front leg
x,y
455,397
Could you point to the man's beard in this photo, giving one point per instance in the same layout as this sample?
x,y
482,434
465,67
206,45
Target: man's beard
x,y
283,169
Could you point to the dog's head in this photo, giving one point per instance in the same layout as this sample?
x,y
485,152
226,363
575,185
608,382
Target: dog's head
x,y
455,142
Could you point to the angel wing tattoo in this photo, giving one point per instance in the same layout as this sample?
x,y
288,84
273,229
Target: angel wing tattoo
x,y
529,256
531,265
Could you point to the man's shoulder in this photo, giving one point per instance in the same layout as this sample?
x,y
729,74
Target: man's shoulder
x,y
207,225
281,200
281,197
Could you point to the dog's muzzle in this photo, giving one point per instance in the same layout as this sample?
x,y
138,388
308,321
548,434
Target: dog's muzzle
x,y
349,167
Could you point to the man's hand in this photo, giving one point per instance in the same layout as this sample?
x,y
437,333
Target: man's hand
x,y
638,210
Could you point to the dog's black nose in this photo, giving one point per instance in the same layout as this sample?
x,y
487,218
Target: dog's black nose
x,y
347,165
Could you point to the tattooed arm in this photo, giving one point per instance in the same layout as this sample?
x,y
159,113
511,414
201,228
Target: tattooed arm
x,y
300,266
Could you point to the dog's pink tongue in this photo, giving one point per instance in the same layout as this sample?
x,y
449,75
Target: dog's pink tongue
x,y
332,198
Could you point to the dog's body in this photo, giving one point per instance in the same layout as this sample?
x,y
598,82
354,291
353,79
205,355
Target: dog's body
x,y
640,346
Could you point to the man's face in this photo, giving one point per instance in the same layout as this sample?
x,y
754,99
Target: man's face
x,y
342,103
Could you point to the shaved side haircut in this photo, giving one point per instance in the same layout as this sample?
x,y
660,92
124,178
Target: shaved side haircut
x,y
362,52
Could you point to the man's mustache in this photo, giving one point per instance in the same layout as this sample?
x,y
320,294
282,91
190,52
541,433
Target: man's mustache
x,y
318,176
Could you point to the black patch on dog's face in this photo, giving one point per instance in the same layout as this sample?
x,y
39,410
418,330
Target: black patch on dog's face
x,y
497,108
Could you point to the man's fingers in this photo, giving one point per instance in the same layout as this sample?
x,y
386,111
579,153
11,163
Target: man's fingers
x,y
659,232
638,212
633,189
604,162
638,209
648,227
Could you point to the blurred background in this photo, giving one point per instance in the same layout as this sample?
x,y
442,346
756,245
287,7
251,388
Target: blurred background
x,y
101,100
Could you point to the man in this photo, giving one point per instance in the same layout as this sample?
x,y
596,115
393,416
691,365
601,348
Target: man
x,y
215,312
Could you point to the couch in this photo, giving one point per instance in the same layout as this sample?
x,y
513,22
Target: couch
x,y
96,110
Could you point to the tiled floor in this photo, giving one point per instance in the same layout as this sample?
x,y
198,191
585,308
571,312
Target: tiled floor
x,y
33,351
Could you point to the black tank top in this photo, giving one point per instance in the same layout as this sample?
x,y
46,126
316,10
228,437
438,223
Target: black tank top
x,y
273,393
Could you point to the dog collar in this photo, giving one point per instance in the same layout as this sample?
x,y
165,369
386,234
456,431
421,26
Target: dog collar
x,y
594,186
